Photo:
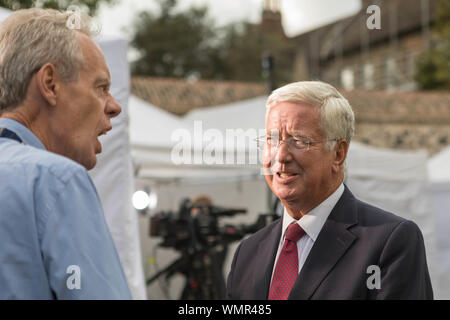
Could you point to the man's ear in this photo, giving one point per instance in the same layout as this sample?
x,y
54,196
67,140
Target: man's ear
x,y
340,154
48,82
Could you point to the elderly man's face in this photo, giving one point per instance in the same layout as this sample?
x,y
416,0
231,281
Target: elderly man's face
x,y
301,178
85,108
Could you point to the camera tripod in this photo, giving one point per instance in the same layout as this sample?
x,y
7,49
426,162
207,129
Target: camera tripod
x,y
202,270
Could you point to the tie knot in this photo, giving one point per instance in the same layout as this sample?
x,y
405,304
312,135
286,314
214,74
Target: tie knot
x,y
294,232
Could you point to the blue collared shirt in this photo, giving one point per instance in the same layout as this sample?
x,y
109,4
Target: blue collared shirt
x,y
54,240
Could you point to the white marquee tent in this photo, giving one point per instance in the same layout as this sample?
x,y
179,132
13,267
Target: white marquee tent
x,y
397,181
4,13
439,168
439,172
151,131
113,175
153,134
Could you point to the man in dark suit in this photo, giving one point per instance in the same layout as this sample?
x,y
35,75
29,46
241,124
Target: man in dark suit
x,y
328,244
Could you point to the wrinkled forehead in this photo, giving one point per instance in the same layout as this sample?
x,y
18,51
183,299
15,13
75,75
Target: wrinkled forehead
x,y
293,118
93,57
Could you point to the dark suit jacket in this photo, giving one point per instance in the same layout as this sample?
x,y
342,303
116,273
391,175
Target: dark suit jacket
x,y
355,236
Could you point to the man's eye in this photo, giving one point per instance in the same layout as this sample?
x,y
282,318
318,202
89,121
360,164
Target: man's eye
x,y
300,142
103,89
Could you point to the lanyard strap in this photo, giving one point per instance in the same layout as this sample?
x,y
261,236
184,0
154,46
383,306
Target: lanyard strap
x,y
5,133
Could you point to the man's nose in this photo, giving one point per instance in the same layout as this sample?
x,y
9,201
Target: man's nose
x,y
113,108
283,153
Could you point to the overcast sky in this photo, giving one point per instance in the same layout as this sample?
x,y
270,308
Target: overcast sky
x,y
298,15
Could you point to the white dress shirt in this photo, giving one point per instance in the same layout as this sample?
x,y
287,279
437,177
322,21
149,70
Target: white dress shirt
x,y
311,223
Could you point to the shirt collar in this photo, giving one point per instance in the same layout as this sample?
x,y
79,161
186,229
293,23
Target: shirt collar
x,y
23,132
313,222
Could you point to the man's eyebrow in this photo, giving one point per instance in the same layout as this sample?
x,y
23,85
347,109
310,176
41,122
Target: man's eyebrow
x,y
100,81
298,134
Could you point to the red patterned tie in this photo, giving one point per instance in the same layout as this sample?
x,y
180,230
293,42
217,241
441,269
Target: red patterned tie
x,y
286,270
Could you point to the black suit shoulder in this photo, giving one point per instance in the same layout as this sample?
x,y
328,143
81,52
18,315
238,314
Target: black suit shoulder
x,y
384,221
250,244
248,256
371,215
398,245
262,233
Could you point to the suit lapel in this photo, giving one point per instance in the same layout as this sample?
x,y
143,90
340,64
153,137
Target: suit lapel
x,y
333,241
267,250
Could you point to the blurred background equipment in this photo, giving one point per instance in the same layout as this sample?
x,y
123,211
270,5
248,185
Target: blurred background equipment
x,y
143,200
140,200
196,233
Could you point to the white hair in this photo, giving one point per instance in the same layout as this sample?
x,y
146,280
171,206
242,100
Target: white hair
x,y
337,120
29,39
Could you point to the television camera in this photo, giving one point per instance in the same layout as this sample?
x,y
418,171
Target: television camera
x,y
196,233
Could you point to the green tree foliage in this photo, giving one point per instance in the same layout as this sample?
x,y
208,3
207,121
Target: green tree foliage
x,y
181,44
177,44
241,49
92,5
433,67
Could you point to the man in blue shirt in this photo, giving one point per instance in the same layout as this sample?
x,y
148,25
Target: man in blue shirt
x,y
54,104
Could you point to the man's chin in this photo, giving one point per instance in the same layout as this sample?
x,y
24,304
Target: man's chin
x,y
282,195
285,193
98,147
89,164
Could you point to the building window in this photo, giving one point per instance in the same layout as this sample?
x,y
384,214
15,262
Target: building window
x,y
347,79
369,76
391,71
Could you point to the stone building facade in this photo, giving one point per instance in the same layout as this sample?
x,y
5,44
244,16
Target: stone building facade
x,y
349,55
402,120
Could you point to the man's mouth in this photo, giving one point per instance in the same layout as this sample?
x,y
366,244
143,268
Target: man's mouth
x,y
285,175
98,147
103,133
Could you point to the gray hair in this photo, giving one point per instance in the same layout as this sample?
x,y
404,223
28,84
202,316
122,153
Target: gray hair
x,y
337,120
31,38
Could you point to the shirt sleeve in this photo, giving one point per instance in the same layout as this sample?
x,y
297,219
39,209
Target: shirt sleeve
x,y
77,248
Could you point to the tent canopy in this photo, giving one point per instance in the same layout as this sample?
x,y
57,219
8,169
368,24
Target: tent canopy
x,y
246,114
439,167
153,154
150,126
